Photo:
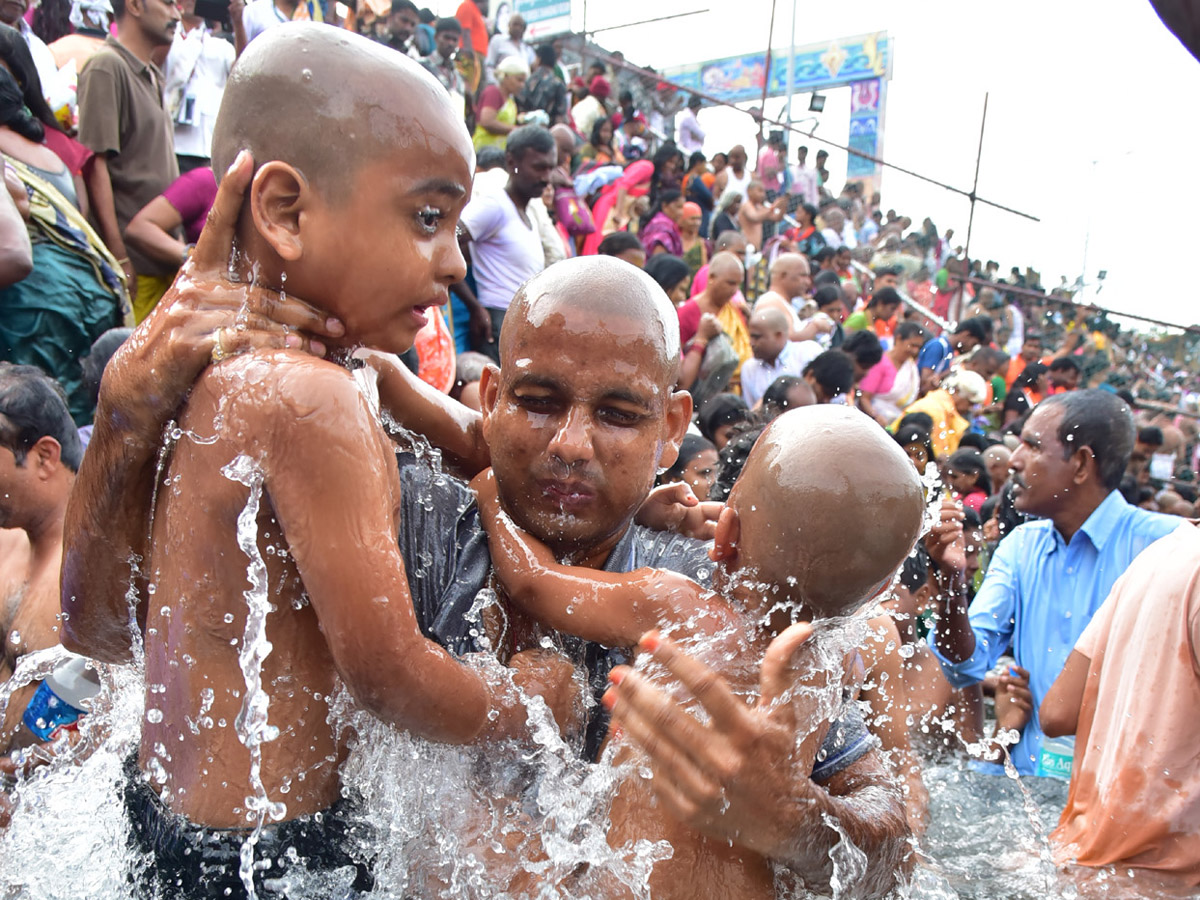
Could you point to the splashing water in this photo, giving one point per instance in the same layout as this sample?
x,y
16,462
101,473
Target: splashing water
x,y
252,726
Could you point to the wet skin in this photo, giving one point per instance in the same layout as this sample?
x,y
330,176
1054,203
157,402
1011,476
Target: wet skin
x,y
331,490
813,474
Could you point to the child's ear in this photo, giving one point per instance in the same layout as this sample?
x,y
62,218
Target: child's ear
x,y
729,529
278,194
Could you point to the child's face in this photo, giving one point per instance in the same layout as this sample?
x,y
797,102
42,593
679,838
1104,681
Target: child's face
x,y
387,252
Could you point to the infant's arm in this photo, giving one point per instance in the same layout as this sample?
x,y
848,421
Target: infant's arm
x,y
609,608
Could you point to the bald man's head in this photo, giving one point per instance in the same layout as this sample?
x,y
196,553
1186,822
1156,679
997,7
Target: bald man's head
x,y
600,298
815,476
325,101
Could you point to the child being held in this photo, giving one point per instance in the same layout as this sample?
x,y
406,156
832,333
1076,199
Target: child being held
x,y
826,510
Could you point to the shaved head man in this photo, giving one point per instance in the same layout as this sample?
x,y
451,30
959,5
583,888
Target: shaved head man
x,y
775,354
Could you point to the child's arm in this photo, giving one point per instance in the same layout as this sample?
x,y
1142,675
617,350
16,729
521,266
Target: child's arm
x,y
331,480
446,424
609,608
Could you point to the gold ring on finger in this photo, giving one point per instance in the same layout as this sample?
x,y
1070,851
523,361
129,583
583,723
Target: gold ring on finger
x,y
219,351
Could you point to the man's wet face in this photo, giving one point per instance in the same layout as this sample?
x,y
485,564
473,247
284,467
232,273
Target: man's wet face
x,y
576,425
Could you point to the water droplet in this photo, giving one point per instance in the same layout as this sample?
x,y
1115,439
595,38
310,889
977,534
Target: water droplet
x,y
154,716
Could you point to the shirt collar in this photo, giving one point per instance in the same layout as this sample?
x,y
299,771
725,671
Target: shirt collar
x,y
1104,519
142,68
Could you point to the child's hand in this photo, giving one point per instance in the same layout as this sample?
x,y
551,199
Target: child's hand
x,y
673,507
551,676
487,497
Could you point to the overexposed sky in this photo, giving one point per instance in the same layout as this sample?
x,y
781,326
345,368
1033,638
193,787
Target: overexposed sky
x,y
1091,121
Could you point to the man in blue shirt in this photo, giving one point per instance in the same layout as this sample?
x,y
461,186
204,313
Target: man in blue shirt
x,y
1048,577
935,357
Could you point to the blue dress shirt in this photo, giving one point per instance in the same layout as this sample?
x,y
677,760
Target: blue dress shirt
x,y
1040,593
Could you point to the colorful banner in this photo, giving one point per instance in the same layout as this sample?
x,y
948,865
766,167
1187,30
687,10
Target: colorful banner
x,y
842,61
544,17
867,100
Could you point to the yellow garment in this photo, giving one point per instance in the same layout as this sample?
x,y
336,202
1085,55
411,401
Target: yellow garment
x,y
948,425
735,329
507,114
148,292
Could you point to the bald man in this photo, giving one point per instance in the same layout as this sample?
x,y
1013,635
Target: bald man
x,y
725,275
774,353
781,525
293,449
791,280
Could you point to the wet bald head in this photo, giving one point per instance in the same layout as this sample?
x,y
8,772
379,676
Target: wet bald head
x,y
325,100
619,303
829,507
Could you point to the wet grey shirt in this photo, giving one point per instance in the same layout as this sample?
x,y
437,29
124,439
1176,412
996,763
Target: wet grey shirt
x,y
446,553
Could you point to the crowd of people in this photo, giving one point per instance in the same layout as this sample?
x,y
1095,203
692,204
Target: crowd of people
x,y
614,334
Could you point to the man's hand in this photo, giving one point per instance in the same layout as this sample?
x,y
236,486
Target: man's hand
x,y
710,326
153,371
1014,700
673,507
741,775
945,542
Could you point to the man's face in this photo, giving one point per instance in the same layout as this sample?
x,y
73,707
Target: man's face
x,y
888,279
578,426
531,173
738,249
722,287
765,342
797,280
516,28
842,260
158,19
14,482
1067,379
12,10
403,25
1042,476
1031,350
447,43
963,341
737,158
410,256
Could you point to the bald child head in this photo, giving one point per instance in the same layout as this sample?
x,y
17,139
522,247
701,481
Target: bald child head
x,y
596,298
829,506
325,101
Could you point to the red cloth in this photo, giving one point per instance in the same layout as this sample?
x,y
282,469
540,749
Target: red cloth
x,y
689,321
73,154
636,175
471,19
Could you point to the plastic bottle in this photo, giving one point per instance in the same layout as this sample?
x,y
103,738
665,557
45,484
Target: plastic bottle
x,y
58,702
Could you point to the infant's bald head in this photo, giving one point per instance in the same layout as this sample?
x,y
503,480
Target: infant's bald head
x,y
325,101
829,507
609,300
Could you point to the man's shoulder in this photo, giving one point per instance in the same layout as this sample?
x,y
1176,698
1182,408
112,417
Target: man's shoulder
x,y
107,60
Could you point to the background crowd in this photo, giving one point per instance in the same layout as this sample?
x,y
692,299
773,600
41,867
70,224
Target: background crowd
x,y
790,288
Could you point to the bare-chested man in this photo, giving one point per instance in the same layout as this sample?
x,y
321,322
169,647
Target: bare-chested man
x,y
383,147
39,455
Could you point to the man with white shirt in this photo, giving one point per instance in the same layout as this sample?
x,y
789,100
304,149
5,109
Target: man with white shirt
x,y
691,135
774,354
198,66
513,44
502,237
804,180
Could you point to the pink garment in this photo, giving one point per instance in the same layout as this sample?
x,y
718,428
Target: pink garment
x,y
635,174
192,194
880,378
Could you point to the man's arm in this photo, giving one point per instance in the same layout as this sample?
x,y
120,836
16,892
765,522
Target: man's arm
x,y
106,215
736,776
480,324
1059,712
108,514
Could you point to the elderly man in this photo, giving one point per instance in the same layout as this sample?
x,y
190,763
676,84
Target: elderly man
x,y
513,44
1048,577
791,279
574,395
